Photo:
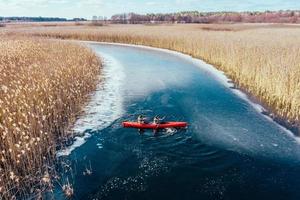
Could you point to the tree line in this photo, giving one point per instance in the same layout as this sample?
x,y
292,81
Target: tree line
x,y
289,16
40,19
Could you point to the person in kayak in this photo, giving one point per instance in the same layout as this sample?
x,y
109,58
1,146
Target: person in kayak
x,y
141,119
156,120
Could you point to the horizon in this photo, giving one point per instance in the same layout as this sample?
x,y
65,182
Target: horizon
x,y
88,8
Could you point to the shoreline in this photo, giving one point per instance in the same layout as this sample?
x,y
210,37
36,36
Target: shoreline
x,y
105,95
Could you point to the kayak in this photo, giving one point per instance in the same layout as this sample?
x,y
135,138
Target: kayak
x,y
154,126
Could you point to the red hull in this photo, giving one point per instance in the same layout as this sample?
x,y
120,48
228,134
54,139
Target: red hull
x,y
155,126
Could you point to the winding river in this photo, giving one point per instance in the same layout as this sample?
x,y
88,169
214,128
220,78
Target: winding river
x,y
229,151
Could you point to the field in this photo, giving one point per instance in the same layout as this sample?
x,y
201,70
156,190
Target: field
x,y
42,89
262,59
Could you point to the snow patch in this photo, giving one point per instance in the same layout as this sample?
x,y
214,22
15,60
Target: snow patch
x,y
104,107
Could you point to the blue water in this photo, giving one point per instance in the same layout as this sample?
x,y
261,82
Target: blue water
x,y
229,151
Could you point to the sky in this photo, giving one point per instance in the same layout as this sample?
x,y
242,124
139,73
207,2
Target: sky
x,y
88,8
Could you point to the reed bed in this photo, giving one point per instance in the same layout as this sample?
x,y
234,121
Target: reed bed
x,y
263,60
43,84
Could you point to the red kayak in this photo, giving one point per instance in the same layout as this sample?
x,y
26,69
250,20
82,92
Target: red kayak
x,y
155,126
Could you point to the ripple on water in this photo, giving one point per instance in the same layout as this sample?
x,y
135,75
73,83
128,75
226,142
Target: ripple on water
x,y
136,183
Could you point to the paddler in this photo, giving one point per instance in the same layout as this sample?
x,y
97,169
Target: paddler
x,y
141,119
156,120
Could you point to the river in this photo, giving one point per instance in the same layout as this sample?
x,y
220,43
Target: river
x,y
229,151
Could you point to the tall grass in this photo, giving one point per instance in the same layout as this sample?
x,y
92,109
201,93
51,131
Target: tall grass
x,y
263,59
43,84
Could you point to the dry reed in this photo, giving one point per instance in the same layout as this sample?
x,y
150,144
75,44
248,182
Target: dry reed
x,y
261,59
43,84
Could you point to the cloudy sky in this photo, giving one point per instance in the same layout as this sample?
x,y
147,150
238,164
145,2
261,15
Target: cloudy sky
x,y
88,8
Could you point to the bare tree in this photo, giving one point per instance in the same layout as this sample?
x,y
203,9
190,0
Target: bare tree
x,y
210,17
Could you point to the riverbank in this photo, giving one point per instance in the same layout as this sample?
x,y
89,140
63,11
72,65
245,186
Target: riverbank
x,y
248,55
44,84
